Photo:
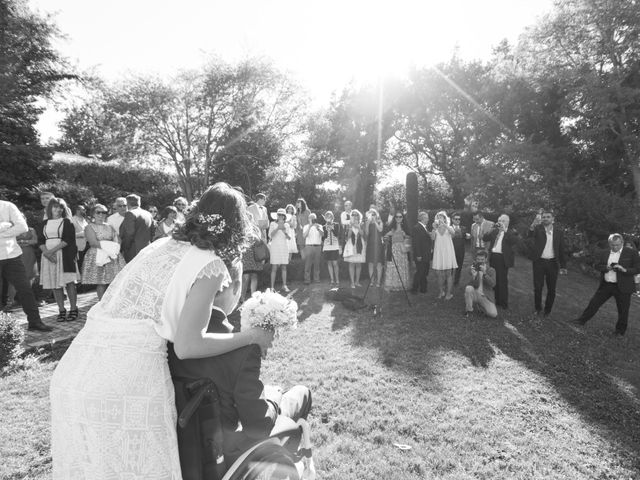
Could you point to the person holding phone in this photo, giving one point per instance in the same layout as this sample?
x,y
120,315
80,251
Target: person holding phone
x,y
617,266
501,257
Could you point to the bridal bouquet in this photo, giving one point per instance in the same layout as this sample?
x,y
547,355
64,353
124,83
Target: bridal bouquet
x,y
269,310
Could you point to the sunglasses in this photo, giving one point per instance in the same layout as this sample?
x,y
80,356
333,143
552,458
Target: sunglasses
x,y
101,213
399,216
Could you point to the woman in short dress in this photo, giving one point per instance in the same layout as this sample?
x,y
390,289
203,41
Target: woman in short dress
x,y
355,248
397,273
279,232
293,223
58,266
375,249
444,256
331,246
99,230
167,224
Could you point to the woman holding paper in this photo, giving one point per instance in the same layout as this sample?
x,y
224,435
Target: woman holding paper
x,y
92,273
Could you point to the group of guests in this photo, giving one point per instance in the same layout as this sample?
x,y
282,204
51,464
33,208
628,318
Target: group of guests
x,y
64,249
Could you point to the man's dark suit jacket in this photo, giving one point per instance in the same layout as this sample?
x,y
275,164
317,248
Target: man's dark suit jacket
x,y
135,232
237,378
508,241
539,236
629,260
421,242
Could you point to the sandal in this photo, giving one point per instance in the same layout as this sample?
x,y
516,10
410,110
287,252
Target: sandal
x,y
73,315
62,316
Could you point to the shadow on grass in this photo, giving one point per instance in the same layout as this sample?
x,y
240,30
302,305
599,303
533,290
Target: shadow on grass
x,y
596,374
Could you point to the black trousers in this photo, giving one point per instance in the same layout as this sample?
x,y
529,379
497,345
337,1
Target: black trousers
x,y
460,261
605,291
12,271
545,270
420,277
501,290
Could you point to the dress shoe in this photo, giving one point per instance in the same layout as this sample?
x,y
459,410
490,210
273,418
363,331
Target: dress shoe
x,y
41,327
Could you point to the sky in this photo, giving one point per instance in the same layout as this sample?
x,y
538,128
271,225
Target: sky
x,y
324,44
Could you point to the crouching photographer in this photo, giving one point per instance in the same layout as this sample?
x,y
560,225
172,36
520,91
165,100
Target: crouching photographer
x,y
483,279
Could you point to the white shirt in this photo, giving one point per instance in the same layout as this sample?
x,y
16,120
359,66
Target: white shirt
x,y
12,224
479,233
548,253
345,218
611,276
115,221
497,245
314,236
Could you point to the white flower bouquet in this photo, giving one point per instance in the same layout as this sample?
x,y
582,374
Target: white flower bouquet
x,y
269,310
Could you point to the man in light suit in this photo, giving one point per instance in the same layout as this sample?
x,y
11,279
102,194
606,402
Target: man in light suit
x,y
501,257
617,266
136,229
479,229
548,259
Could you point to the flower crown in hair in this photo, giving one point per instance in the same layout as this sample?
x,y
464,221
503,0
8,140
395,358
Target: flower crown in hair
x,y
215,223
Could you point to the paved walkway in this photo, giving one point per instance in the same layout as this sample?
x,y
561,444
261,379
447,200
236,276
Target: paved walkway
x,y
61,330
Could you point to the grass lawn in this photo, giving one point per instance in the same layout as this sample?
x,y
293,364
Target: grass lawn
x,y
515,398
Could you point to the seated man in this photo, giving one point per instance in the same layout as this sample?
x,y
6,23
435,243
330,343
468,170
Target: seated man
x,y
483,278
247,417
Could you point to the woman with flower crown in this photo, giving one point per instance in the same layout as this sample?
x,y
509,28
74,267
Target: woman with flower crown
x,y
113,413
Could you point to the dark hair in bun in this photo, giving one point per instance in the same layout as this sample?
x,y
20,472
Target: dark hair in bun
x,y
227,234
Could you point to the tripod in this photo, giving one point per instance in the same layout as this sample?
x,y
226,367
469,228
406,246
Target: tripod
x,y
393,259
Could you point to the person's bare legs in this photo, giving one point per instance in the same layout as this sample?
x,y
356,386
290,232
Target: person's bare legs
x,y
449,280
379,276
352,274
283,270
72,293
357,274
274,270
254,283
100,289
58,294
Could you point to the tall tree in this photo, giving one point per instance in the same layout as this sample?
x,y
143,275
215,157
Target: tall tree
x,y
592,49
220,120
445,125
30,68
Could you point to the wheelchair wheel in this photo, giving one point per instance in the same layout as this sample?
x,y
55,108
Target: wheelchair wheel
x,y
267,462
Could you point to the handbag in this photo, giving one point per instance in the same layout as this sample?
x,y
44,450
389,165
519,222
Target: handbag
x,y
261,251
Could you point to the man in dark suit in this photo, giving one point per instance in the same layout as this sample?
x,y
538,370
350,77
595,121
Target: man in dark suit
x,y
136,230
421,241
459,238
248,412
548,257
617,265
501,241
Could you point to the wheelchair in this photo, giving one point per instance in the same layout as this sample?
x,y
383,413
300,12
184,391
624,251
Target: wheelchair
x,y
279,457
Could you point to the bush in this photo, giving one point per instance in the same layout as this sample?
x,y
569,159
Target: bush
x,y
11,337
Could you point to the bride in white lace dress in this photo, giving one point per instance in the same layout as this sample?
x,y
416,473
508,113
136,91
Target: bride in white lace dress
x,y
112,401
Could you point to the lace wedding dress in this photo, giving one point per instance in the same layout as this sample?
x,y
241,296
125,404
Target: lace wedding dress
x,y
112,401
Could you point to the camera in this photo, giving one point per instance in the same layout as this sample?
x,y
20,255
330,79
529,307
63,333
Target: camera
x,y
476,266
613,265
